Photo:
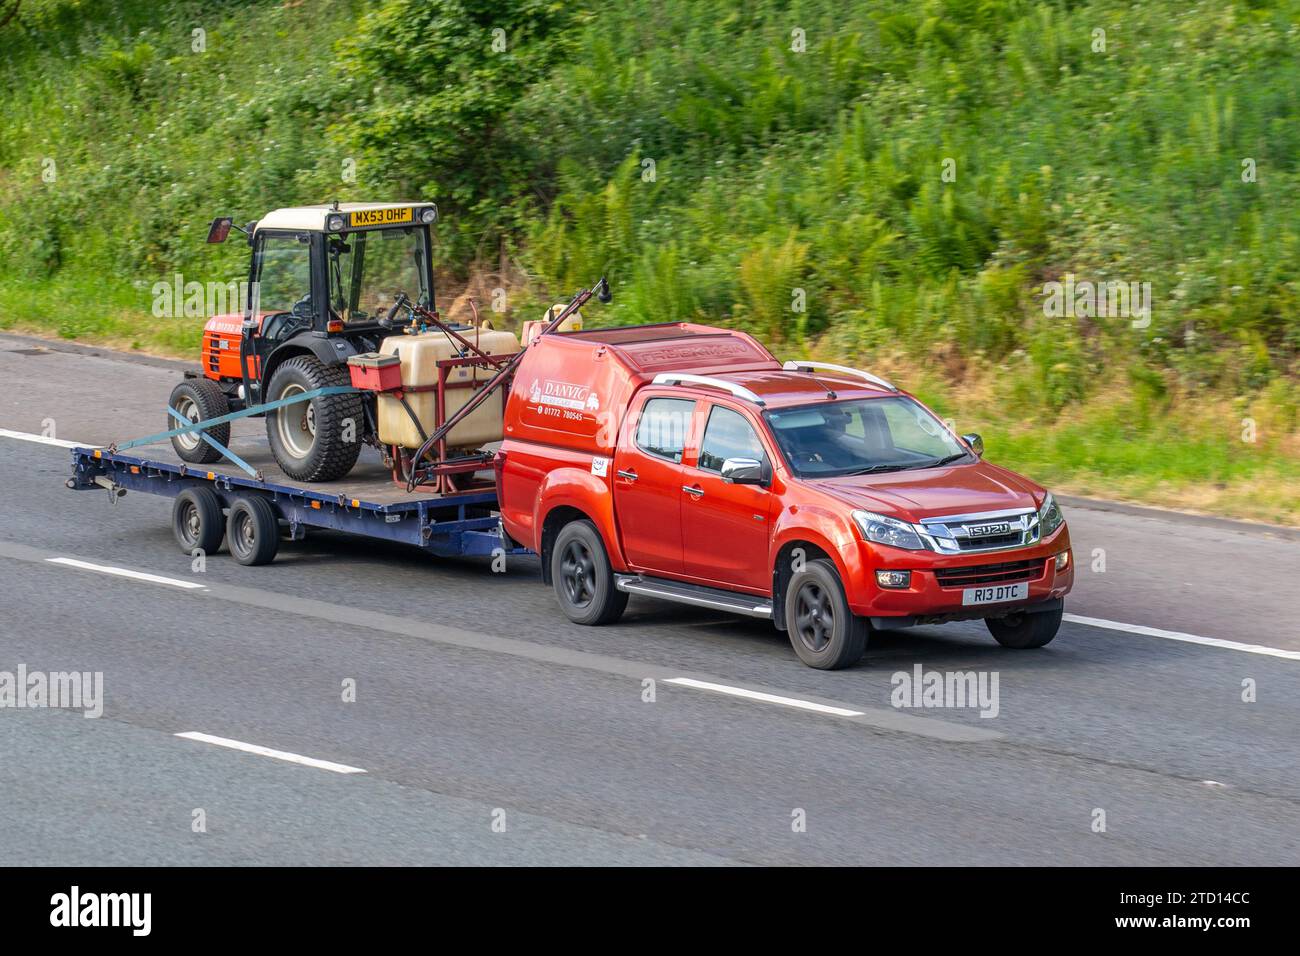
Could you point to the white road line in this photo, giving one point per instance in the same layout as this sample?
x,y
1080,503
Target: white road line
x,y
268,752
766,698
1185,638
124,573
42,440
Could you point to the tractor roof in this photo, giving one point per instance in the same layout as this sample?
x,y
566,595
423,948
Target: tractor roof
x,y
315,218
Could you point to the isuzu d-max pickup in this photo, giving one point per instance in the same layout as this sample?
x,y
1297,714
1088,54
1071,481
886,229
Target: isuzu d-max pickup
x,y
687,463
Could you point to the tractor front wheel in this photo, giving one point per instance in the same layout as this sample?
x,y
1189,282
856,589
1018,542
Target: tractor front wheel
x,y
318,439
197,400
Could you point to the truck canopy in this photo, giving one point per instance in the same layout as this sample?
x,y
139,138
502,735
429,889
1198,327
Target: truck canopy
x,y
572,387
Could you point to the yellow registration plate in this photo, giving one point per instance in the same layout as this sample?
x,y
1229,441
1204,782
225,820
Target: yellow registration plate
x,y
382,217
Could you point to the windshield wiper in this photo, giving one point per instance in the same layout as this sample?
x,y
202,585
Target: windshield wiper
x,y
874,469
944,461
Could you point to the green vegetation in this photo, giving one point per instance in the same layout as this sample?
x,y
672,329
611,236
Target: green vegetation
x,y
889,182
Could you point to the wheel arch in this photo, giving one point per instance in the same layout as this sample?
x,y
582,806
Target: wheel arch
x,y
570,494
555,519
324,350
813,548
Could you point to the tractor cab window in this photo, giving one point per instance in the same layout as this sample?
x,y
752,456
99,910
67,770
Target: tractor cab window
x,y
367,268
282,275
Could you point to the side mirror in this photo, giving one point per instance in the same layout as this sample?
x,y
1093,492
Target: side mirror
x,y
976,444
219,229
743,471
603,294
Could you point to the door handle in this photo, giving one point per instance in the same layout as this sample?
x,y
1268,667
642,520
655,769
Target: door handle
x,y
695,490
629,474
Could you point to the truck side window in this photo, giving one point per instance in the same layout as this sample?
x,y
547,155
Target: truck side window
x,y
663,427
728,435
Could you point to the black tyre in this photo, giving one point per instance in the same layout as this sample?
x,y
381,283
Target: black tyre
x,y
197,520
252,531
583,580
823,631
1023,630
308,438
198,399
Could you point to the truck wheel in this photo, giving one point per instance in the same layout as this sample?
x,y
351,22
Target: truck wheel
x,y
823,631
1023,630
252,531
197,521
308,438
583,580
199,399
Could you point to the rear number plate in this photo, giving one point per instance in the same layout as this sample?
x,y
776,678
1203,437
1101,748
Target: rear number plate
x,y
995,594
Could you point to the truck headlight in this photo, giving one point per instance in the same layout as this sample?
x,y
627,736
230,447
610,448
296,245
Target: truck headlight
x,y
1049,516
334,223
885,530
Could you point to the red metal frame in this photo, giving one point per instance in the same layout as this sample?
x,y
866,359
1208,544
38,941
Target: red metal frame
x,y
444,476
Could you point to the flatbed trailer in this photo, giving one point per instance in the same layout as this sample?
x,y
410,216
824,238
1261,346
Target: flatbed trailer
x,y
368,504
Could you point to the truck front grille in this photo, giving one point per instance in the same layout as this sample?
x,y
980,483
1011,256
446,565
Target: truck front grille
x,y
989,531
982,574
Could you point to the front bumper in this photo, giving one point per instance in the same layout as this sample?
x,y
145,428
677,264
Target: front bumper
x,y
938,580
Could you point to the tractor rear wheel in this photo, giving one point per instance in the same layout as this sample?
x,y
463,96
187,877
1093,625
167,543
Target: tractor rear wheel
x,y
198,399
319,439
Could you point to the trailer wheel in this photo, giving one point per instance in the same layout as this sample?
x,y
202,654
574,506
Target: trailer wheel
x,y
583,579
252,531
198,399
197,521
1023,630
823,630
317,440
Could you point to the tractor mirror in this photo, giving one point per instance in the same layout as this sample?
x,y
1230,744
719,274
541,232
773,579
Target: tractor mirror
x,y
219,229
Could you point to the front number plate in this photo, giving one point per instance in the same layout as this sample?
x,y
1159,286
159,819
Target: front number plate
x,y
382,217
995,594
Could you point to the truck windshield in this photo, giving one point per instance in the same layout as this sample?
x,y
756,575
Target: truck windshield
x,y
367,268
863,436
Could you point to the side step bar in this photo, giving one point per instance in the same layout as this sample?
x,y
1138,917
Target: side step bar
x,y
713,598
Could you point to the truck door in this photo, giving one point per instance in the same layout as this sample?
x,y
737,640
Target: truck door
x,y
648,483
726,527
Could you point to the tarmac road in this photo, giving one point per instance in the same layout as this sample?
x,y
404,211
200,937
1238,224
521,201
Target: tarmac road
x,y
490,730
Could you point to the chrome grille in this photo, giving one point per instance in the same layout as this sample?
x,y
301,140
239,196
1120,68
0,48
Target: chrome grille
x,y
984,531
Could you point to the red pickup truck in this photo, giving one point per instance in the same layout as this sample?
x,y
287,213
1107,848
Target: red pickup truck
x,y
687,463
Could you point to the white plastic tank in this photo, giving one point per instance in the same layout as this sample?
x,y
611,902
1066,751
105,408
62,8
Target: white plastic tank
x,y
419,355
572,323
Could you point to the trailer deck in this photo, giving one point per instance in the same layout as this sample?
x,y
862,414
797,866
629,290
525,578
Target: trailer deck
x,y
368,502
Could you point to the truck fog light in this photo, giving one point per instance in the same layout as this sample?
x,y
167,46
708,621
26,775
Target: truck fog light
x,y
1062,560
894,579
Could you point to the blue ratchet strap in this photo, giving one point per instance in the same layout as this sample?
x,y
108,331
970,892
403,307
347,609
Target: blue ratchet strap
x,y
231,416
235,459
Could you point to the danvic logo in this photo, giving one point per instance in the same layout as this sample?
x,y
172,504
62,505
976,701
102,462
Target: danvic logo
x,y
103,909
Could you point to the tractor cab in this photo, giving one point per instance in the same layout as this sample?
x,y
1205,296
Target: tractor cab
x,y
322,281
323,284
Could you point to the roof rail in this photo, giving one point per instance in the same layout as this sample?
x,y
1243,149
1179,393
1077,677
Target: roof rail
x,y
681,378
793,366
